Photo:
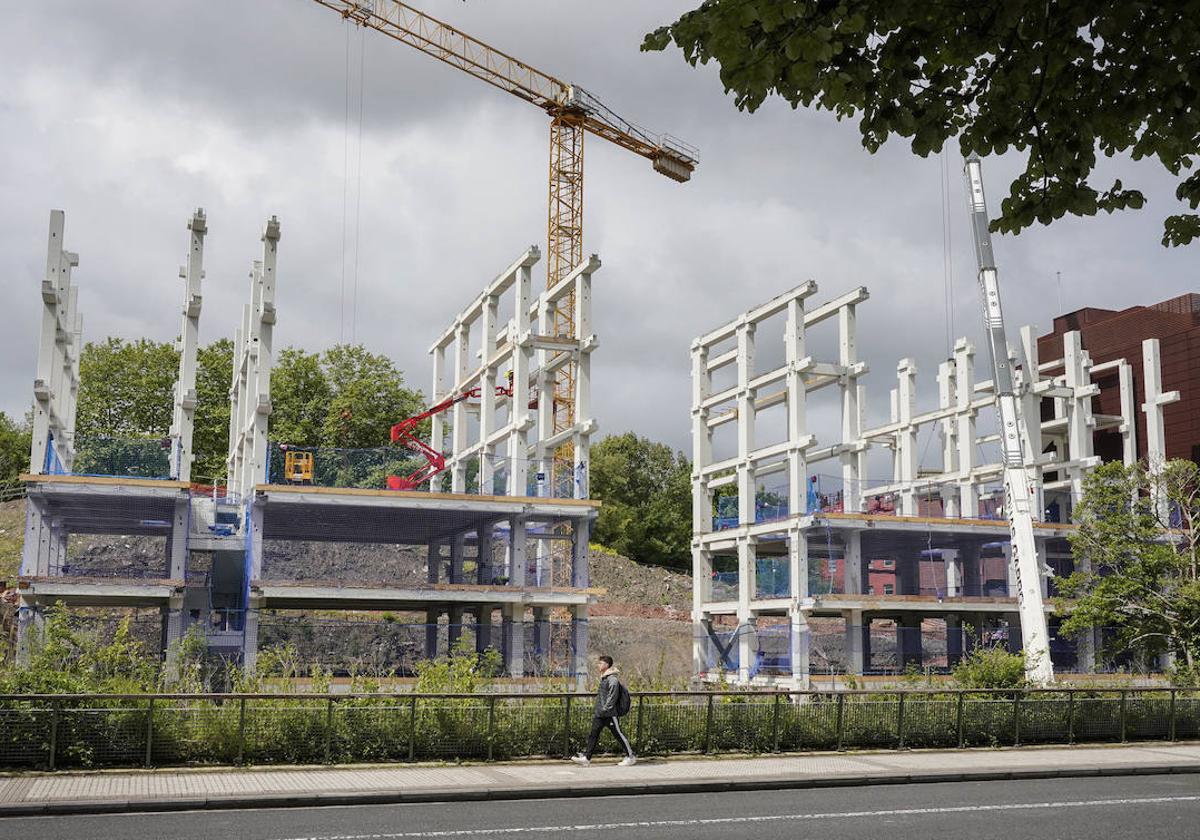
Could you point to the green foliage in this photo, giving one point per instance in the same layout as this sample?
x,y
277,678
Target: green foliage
x,y
462,672
645,488
210,437
1138,573
366,396
70,660
126,388
14,451
300,397
991,667
344,397
1058,81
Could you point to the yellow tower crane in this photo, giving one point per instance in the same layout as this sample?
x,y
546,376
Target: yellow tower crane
x,y
573,113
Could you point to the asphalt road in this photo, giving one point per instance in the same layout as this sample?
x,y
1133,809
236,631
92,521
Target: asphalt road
x,y
1145,808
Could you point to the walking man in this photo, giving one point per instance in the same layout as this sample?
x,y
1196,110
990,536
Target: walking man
x,y
612,703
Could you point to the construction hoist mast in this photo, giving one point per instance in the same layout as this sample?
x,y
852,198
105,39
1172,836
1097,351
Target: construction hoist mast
x,y
1018,495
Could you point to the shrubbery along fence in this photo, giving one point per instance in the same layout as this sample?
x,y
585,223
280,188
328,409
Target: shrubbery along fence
x,y
65,731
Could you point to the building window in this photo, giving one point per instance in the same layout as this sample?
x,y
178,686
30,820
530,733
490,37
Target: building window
x,y
889,563
871,590
889,589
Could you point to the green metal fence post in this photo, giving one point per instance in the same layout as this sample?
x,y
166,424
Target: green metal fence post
x,y
841,721
708,717
241,756
1124,696
412,729
149,731
567,729
959,719
1070,717
1017,719
637,737
491,730
329,730
55,710
900,722
1171,723
775,725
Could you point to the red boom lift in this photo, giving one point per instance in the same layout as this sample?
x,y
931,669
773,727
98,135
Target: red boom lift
x,y
402,432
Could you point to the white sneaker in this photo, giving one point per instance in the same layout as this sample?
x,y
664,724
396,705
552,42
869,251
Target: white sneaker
x,y
581,760
628,761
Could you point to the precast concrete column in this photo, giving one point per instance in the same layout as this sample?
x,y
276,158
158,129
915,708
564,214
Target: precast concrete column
x,y
952,562
514,639
250,641
747,641
541,636
483,628
908,573
483,554
173,628
799,645
1014,633
579,646
517,551
853,570
457,551
433,562
857,642
35,555
969,562
580,533
954,639
177,542
432,616
455,628
908,641
31,625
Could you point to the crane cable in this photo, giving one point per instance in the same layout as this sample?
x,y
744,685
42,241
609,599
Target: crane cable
x,y
362,84
345,192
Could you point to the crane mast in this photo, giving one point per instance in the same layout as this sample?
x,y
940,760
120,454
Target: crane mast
x,y
1027,568
573,113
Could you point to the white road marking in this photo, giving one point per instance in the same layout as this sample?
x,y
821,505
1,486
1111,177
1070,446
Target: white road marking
x,y
834,815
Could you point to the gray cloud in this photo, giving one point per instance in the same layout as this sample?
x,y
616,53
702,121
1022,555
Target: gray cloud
x,y
128,115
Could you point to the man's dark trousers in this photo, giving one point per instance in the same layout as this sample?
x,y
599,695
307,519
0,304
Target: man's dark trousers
x,y
613,724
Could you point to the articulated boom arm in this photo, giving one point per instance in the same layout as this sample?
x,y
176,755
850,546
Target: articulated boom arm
x,y
403,432
1035,635
444,42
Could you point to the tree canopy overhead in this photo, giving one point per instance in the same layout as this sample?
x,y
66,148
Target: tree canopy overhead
x,y
1061,80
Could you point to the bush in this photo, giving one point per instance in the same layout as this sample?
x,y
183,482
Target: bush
x,y
991,667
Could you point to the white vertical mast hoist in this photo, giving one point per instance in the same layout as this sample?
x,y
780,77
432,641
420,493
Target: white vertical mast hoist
x,y
1018,495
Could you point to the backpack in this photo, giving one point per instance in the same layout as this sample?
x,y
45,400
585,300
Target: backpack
x,y
624,701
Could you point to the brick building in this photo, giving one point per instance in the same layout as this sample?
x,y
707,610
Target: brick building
x,y
1109,334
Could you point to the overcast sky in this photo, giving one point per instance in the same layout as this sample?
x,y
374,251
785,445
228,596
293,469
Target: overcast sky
x,y
128,114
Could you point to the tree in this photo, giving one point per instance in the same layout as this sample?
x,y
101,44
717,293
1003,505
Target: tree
x,y
645,490
210,436
300,398
126,389
14,450
366,395
1137,571
1056,79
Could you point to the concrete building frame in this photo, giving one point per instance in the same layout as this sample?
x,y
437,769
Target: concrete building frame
x,y
928,510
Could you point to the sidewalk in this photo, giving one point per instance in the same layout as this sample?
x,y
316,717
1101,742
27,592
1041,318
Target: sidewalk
x,y
177,790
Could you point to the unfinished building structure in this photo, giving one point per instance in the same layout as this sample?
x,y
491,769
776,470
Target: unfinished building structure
x,y
802,545
504,540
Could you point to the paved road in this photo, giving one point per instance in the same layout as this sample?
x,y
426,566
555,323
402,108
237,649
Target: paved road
x,y
1146,808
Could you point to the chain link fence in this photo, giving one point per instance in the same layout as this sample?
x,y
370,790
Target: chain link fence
x,y
58,732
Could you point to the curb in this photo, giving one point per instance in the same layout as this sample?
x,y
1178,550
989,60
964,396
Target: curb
x,y
436,795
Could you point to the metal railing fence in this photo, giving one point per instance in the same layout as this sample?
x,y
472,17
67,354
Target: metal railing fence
x,y
71,731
